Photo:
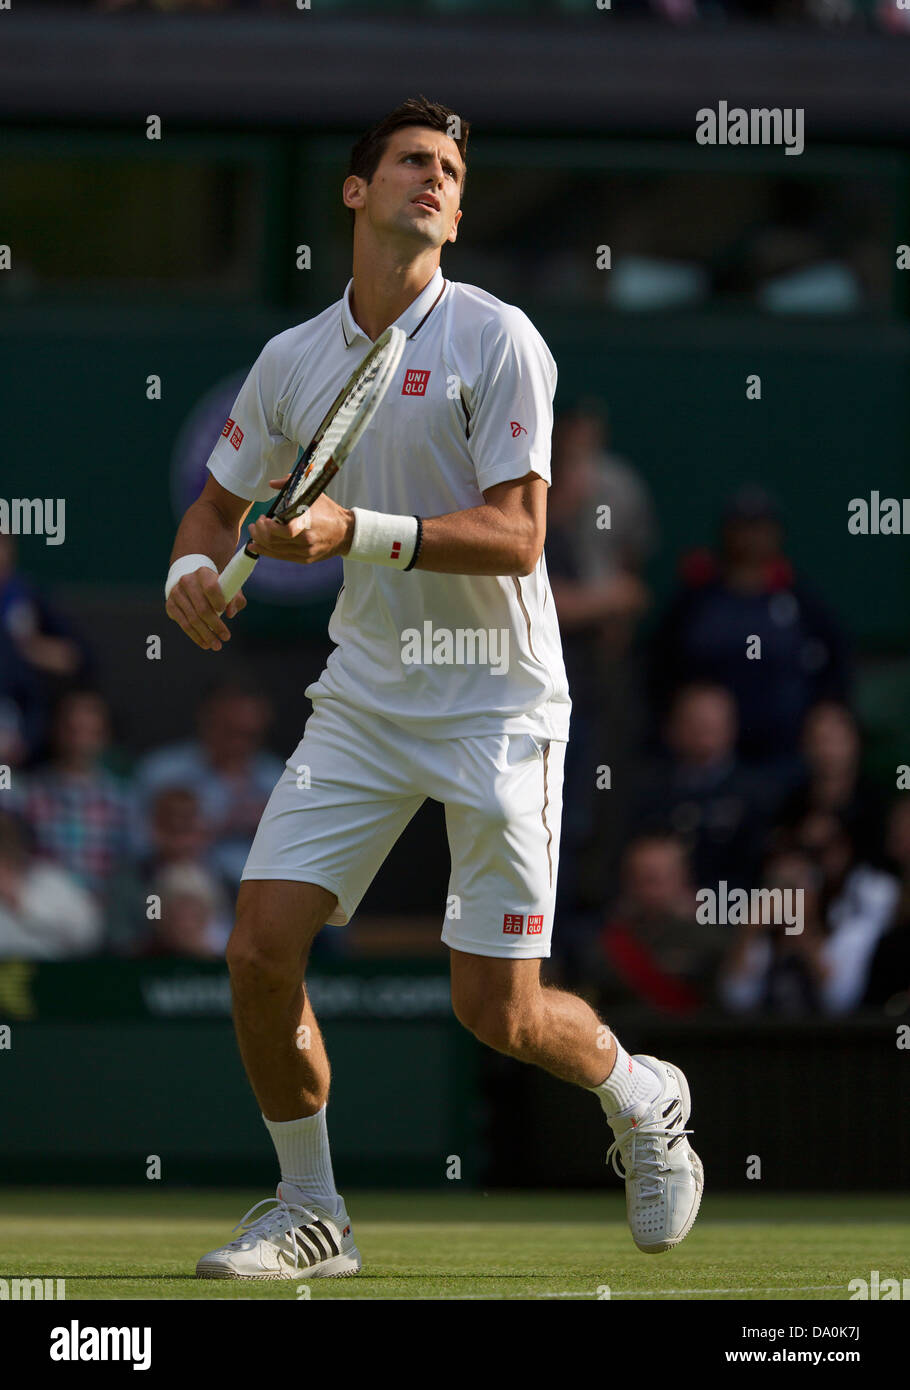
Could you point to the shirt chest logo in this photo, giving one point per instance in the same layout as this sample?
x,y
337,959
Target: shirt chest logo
x,y
415,382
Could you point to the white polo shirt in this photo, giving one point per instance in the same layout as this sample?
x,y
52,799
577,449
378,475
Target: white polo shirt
x,y
470,405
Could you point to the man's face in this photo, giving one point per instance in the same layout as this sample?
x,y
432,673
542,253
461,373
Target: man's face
x,y
416,189
752,541
82,726
178,828
703,727
234,726
655,876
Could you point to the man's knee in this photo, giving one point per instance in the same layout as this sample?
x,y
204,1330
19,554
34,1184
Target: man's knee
x,y
257,967
500,1024
275,926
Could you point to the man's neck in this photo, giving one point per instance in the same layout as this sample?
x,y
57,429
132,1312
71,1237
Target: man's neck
x,y
384,285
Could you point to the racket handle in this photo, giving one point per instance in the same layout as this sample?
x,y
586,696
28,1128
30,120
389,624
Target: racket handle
x,y
236,573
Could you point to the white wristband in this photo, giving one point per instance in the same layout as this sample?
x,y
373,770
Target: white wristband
x,y
187,564
383,539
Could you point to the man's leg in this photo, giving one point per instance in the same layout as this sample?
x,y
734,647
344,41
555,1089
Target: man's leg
x,y
502,1002
277,1032
307,1232
279,1038
333,829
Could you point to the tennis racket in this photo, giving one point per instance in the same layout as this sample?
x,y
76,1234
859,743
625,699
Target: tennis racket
x,y
344,422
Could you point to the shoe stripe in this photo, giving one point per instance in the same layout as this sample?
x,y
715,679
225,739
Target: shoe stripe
x,y
313,1256
313,1238
670,1106
327,1234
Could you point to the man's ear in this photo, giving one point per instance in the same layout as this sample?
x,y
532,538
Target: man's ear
x,y
352,191
454,232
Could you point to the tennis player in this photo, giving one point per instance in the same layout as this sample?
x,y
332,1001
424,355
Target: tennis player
x,y
447,681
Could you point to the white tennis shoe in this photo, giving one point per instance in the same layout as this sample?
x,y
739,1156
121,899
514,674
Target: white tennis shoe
x,y
664,1177
289,1241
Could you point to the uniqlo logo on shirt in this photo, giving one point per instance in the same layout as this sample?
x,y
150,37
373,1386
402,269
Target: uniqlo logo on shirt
x,y
535,926
228,426
415,382
513,923
237,437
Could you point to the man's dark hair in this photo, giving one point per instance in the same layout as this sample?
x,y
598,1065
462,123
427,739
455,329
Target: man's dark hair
x,y
371,146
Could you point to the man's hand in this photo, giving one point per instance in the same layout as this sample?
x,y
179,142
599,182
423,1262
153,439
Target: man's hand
x,y
324,530
196,603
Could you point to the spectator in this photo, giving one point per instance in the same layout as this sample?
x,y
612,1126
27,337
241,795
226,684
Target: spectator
x,y
193,920
228,769
652,948
748,591
600,531
79,812
858,905
178,835
889,973
39,654
717,807
13,746
44,913
833,782
769,969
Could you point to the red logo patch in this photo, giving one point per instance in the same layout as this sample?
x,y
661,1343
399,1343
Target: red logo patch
x,y
513,923
396,550
517,429
415,383
237,437
228,426
535,925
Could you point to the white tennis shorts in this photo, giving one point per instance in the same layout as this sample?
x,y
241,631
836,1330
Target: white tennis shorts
x,y
354,782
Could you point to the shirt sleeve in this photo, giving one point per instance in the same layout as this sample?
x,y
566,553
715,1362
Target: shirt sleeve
x,y
252,448
512,409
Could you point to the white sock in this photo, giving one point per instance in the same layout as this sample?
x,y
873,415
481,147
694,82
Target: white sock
x,y
302,1147
629,1087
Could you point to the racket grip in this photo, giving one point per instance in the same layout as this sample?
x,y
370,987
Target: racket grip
x,y
236,573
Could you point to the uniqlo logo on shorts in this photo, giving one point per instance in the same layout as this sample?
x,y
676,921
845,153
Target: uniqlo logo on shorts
x,y
513,923
415,383
535,926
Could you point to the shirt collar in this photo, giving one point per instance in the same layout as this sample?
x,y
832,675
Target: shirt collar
x,y
411,319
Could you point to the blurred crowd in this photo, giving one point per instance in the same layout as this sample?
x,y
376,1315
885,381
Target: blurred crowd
x,y
713,747
100,852
826,13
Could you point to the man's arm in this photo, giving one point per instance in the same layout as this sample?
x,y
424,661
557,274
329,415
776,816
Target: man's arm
x,y
504,536
211,526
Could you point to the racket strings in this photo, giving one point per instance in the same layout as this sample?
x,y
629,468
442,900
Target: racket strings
x,y
337,428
